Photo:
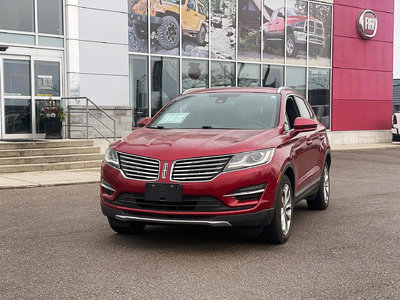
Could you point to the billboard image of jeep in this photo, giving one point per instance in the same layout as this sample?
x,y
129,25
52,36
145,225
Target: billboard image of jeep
x,y
165,29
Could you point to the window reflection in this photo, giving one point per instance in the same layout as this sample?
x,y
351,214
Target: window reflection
x,y
139,95
194,74
248,74
17,15
47,78
272,76
17,113
165,81
319,93
222,74
17,77
296,79
50,16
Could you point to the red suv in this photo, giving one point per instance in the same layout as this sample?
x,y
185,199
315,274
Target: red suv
x,y
219,157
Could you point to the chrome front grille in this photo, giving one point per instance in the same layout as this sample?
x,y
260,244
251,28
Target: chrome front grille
x,y
199,169
139,167
316,27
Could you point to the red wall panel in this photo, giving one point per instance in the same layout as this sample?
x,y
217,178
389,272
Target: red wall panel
x,y
361,85
361,115
345,20
378,5
362,54
362,80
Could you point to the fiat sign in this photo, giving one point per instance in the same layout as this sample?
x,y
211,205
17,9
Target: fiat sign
x,y
367,24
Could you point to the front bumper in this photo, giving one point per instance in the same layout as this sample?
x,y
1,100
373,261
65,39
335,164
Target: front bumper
x,y
263,217
124,200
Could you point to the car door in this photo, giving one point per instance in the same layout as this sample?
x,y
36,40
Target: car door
x,y
312,163
297,142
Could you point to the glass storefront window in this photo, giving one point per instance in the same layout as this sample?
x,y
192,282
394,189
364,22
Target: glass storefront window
x,y
223,29
138,26
249,45
319,93
47,78
274,31
194,74
272,76
222,74
17,15
248,74
319,35
50,16
296,79
18,116
296,32
139,93
17,77
194,28
164,81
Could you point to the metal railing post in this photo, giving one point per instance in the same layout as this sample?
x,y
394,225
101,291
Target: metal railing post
x,y
115,132
87,119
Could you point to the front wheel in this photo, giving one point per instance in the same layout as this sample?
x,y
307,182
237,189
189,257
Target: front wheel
x,y
320,200
278,231
291,47
122,227
168,33
201,36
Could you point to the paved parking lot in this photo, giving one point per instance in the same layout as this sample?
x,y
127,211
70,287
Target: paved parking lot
x,y
54,242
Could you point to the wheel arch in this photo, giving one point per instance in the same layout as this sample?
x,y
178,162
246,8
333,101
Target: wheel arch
x,y
328,158
288,170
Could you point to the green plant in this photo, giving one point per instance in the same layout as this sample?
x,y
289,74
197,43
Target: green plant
x,y
52,112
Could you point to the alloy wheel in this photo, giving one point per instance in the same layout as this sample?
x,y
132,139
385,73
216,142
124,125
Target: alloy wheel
x,y
286,209
326,184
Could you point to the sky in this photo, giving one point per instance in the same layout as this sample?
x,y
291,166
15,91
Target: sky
x,y
396,58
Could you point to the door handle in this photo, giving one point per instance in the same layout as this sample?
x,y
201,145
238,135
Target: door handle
x,y
277,23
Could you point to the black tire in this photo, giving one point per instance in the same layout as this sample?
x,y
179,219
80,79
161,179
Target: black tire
x,y
168,33
291,47
395,137
122,227
201,36
139,31
278,232
320,200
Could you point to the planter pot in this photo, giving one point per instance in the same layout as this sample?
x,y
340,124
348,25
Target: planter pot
x,y
53,127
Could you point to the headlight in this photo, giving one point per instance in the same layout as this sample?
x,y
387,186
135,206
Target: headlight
x,y
111,158
250,159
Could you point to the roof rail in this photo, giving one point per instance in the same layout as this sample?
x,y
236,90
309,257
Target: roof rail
x,y
281,88
192,89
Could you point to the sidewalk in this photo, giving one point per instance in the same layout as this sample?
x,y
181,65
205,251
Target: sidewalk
x,y
53,178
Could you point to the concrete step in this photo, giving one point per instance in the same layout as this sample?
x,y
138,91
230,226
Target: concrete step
x,y
42,144
49,151
50,166
28,160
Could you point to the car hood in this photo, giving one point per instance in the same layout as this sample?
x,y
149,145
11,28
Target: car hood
x,y
171,144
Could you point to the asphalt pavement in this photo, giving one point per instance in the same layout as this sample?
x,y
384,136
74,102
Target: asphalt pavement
x,y
55,243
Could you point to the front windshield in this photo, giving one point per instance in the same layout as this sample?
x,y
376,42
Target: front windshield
x,y
220,111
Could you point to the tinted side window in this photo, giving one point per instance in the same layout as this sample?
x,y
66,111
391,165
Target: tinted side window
x,y
304,112
292,111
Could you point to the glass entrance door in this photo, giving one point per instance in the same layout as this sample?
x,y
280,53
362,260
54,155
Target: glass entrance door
x,y
27,84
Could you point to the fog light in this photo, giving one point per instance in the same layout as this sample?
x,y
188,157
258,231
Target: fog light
x,y
253,192
107,188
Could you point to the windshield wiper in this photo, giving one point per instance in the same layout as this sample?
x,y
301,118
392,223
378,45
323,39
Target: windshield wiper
x,y
206,127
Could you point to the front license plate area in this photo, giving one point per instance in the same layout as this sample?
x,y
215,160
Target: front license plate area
x,y
164,192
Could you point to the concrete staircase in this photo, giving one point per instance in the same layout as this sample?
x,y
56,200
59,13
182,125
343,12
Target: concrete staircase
x,y
48,155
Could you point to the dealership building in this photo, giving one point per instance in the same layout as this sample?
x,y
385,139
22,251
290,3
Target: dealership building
x,y
132,56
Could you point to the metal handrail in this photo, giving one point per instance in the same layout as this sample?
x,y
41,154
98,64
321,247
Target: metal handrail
x,y
85,108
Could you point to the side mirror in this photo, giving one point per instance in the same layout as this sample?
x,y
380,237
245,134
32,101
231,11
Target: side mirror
x,y
143,122
304,124
280,15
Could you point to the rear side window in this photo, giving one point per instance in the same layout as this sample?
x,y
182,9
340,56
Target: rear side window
x,y
304,111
